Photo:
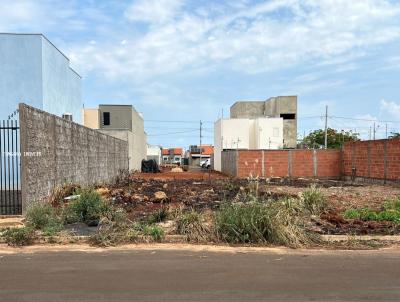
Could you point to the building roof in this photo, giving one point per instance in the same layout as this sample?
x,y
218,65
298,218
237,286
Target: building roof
x,y
175,151
207,150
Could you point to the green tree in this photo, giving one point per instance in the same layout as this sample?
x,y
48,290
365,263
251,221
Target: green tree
x,y
336,139
394,135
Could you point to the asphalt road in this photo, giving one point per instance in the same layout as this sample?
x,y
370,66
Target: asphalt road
x,y
145,275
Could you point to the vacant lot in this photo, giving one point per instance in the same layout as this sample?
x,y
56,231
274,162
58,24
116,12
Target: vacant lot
x,y
203,190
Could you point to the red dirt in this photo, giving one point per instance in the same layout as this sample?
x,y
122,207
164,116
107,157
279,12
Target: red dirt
x,y
185,175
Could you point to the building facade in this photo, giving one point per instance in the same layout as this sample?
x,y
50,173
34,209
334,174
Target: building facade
x,y
172,156
284,107
35,72
154,152
123,122
198,153
246,134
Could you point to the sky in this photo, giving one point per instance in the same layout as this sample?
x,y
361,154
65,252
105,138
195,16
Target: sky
x,y
181,61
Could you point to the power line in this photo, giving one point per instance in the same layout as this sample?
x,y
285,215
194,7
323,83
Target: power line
x,y
365,120
171,133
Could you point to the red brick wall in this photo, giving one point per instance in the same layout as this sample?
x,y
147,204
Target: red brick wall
x,y
275,163
368,158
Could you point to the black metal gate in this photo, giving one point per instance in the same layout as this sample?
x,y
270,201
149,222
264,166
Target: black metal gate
x,y
10,167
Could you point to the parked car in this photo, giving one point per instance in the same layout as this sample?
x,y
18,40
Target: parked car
x,y
205,163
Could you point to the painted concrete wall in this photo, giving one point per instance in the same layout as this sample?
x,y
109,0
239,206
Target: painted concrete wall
x,y
20,72
268,134
154,152
61,85
230,134
125,118
34,71
91,118
56,151
273,107
260,133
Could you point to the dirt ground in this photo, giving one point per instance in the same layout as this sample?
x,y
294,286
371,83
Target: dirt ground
x,y
207,190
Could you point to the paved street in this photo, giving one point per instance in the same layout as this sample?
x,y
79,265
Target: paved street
x,y
167,275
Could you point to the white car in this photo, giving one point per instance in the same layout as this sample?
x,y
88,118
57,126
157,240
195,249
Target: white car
x,y
205,163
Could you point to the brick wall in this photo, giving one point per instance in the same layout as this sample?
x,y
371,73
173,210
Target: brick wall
x,y
374,160
286,163
379,159
56,151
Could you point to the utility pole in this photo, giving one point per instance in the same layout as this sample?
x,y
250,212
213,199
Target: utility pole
x,y
386,132
201,126
326,127
374,130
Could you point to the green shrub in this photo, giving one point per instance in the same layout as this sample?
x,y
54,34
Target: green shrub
x,y
88,207
42,216
19,236
155,232
352,214
275,222
313,200
159,216
388,214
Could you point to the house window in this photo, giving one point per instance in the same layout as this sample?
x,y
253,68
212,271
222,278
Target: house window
x,y
165,158
275,132
288,116
106,118
177,159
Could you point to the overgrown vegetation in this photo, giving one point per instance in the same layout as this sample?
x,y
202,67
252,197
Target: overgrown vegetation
x,y
115,229
89,208
19,236
390,212
159,216
313,200
276,222
42,216
194,226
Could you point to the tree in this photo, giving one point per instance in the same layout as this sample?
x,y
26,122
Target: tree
x,y
394,135
316,139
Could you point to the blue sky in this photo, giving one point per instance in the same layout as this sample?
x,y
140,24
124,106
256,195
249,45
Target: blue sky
x,y
186,60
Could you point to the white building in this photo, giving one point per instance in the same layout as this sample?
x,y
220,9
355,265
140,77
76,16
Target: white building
x,y
154,152
244,133
123,122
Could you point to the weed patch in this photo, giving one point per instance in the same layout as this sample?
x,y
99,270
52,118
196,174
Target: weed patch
x,y
19,236
42,216
89,207
276,222
313,200
194,226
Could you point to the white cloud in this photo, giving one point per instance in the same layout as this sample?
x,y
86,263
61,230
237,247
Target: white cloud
x,y
390,108
250,39
153,11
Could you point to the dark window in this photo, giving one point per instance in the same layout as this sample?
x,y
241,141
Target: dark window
x,y
288,116
106,118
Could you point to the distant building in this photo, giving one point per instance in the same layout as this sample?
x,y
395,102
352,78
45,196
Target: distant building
x,y
246,133
196,152
123,122
154,152
284,107
35,72
172,155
